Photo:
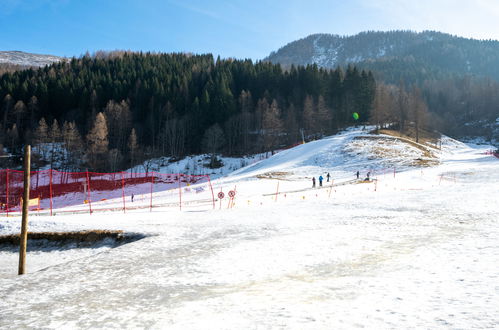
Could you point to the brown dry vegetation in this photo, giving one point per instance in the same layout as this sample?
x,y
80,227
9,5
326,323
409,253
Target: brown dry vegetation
x,y
274,175
426,138
384,149
88,236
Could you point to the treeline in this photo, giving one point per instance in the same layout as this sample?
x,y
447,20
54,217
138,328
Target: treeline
x,y
111,111
461,106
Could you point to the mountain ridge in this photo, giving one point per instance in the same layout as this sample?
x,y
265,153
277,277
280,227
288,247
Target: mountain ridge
x,y
16,57
434,53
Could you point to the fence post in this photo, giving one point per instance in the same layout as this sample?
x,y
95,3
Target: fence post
x,y
50,191
212,194
123,191
88,193
277,191
7,192
180,191
25,209
231,199
152,184
330,189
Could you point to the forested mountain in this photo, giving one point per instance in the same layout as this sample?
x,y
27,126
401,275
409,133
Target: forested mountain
x,y
458,77
410,56
120,108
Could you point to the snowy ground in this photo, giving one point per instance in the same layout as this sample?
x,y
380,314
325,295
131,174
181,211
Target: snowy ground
x,y
418,250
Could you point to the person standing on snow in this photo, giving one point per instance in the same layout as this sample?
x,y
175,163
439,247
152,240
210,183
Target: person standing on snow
x,y
368,175
313,182
320,180
328,176
358,173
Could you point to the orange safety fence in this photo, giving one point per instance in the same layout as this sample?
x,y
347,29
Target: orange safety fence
x,y
81,192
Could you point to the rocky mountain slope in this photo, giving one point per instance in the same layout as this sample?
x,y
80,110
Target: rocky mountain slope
x,y
27,59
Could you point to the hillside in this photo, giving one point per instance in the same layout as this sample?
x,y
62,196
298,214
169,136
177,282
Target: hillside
x,y
175,105
27,59
396,54
352,254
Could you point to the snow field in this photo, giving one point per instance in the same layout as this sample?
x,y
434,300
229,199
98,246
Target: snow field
x,y
419,252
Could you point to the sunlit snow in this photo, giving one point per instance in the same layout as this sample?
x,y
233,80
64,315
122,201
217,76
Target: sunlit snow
x,y
415,248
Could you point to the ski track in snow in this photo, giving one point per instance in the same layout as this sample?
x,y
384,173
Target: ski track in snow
x,y
419,252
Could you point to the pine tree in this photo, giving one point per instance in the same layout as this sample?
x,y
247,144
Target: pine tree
x,y
7,109
33,110
212,142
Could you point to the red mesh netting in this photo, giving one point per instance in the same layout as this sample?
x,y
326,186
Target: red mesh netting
x,y
58,192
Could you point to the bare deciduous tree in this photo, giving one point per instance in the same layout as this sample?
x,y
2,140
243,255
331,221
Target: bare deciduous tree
x,y
97,142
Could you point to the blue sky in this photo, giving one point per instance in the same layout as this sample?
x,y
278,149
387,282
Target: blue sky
x,y
230,28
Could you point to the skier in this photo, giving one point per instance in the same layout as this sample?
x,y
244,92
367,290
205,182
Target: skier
x,y
328,176
132,197
320,180
313,182
368,175
358,173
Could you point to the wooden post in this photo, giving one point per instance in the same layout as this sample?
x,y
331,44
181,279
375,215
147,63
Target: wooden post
x,y
179,192
152,184
24,225
277,191
123,191
212,193
7,192
88,190
50,190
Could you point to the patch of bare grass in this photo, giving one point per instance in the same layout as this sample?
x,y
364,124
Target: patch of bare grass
x,y
87,236
274,175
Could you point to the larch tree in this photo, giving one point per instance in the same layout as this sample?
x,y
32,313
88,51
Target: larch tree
x,y
272,126
323,116
418,111
97,143
133,147
20,112
309,116
72,144
41,138
55,139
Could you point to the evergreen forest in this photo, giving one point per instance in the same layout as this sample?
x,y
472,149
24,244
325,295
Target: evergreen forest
x,y
111,111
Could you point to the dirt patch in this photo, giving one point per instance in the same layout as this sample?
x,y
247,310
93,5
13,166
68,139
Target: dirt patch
x,y
386,147
86,236
426,138
274,175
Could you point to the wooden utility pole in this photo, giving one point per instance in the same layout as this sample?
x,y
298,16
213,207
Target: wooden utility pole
x,y
24,226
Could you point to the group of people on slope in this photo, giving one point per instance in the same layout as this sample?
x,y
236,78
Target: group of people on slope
x,y
320,180
368,175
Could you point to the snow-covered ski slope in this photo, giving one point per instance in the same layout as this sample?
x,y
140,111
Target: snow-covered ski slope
x,y
418,249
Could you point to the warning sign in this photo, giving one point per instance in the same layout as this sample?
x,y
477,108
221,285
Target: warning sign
x,y
221,195
232,193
